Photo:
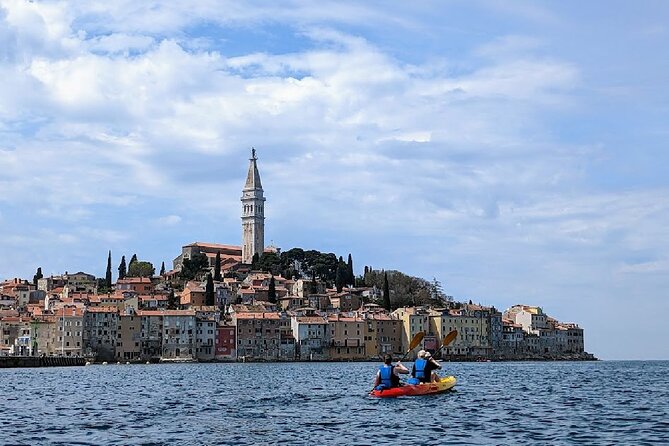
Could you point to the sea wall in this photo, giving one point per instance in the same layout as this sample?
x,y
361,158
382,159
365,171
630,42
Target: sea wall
x,y
40,361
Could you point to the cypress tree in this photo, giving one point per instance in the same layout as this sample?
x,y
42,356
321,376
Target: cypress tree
x,y
271,294
386,292
172,302
340,275
217,267
162,269
108,275
132,260
209,291
122,269
38,275
255,260
351,276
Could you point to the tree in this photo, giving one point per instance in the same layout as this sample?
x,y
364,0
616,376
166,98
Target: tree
x,y
209,299
386,292
269,262
350,280
217,267
132,260
271,293
341,275
108,274
122,268
254,260
162,269
172,301
141,269
38,275
193,266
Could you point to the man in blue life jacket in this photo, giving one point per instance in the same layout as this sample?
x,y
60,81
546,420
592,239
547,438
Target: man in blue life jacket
x,y
388,375
423,367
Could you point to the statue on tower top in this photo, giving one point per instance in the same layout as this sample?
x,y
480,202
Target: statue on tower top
x,y
253,153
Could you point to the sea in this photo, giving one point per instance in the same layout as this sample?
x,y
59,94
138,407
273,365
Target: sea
x,y
496,403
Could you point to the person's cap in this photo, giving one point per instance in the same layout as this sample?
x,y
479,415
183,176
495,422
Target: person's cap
x,y
421,354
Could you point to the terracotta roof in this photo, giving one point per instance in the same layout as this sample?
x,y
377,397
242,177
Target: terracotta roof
x,y
146,297
215,246
165,313
102,310
258,316
339,318
311,320
132,280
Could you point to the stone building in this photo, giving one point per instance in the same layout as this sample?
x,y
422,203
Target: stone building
x,y
100,332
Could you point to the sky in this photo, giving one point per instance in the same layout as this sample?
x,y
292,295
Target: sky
x,y
514,151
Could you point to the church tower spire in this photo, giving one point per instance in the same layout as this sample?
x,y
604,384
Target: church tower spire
x,y
253,213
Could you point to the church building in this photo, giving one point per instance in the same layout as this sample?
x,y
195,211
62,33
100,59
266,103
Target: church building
x,y
253,228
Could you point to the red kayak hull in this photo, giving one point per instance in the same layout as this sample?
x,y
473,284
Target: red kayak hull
x,y
443,385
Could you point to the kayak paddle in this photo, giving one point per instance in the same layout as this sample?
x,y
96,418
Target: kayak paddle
x,y
447,340
418,337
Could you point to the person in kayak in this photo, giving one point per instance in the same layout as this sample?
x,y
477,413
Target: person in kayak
x,y
388,375
423,368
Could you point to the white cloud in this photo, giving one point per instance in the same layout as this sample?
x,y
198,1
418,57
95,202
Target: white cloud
x,y
451,159
169,220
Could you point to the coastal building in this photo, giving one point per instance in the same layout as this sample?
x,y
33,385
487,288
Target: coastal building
x,y
253,213
415,320
529,317
179,335
100,332
347,337
128,345
206,338
16,336
69,320
312,336
151,334
225,342
512,338
258,334
287,340
383,334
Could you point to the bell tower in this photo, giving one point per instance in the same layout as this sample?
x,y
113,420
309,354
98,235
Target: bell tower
x,y
253,213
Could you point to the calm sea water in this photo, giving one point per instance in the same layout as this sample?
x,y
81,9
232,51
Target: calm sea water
x,y
327,403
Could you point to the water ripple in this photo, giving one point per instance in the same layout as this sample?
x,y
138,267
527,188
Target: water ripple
x,y
323,403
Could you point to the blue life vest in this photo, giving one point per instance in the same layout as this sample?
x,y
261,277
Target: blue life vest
x,y
419,366
386,374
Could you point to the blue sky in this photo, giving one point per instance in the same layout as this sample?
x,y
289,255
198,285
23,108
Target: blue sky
x,y
516,151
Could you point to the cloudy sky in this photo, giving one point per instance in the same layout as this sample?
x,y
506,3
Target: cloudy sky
x,y
515,151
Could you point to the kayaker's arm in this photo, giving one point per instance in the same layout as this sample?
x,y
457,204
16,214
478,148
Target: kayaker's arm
x,y
399,368
436,363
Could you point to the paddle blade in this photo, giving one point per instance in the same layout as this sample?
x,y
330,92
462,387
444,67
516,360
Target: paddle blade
x,y
417,339
449,338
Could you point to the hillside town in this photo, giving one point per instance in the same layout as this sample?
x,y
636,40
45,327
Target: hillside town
x,y
239,303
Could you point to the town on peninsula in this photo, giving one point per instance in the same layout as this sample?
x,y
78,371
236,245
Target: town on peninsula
x,y
255,302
